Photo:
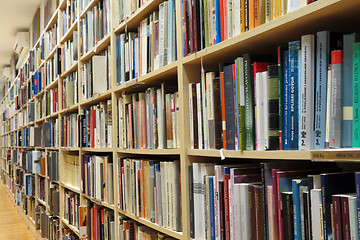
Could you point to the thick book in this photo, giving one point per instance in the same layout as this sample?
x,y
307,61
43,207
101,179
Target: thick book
x,y
99,74
307,81
249,103
239,62
294,77
273,83
356,95
337,217
229,107
287,212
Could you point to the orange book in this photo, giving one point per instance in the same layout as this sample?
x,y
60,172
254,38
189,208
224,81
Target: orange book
x,y
222,93
256,13
277,8
251,14
242,16
222,19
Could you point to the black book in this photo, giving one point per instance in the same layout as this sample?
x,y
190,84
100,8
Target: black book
x,y
229,107
191,202
273,110
307,215
288,215
46,134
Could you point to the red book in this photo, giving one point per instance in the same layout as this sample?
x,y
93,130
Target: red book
x,y
336,201
226,202
345,217
222,95
185,28
222,19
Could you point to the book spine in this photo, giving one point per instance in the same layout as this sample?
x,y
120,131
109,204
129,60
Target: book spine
x,y
273,107
226,205
357,187
336,100
286,101
356,95
191,202
336,202
249,105
229,107
353,218
294,52
307,93
345,217
241,104
347,92
223,110
296,210
320,89
212,207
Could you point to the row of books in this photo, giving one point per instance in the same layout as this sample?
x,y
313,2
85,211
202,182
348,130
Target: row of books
x,y
260,101
71,208
272,201
124,9
99,223
149,119
41,189
69,16
206,23
151,47
95,75
49,41
29,184
95,126
47,104
69,52
70,90
70,170
94,26
69,130
130,229
151,189
97,177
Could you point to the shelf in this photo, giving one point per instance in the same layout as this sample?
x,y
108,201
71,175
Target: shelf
x,y
88,7
69,34
99,202
171,233
71,69
107,150
70,149
53,84
71,188
336,155
99,47
150,151
71,227
52,53
275,155
132,22
150,79
327,14
42,202
52,21
96,99
43,176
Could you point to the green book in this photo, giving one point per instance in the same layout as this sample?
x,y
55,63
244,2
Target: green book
x,y
249,104
206,24
356,95
241,102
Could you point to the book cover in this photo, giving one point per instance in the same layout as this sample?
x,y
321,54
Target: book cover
x,y
286,103
241,103
287,212
356,95
273,88
229,107
249,103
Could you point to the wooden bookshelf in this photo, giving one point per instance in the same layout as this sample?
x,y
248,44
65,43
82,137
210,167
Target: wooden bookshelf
x,y
333,15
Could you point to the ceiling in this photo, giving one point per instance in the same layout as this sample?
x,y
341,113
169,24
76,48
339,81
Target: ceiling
x,y
15,15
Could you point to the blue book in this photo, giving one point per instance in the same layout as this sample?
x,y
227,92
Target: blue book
x,y
294,88
236,107
296,183
357,185
118,60
333,183
286,102
229,107
212,207
217,22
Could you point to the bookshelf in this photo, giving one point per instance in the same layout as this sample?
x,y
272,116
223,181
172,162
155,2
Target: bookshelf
x,y
320,15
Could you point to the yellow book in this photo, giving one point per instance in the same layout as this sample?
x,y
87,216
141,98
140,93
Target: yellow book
x,y
277,8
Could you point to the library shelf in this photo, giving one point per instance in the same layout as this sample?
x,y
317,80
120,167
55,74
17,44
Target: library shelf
x,y
263,39
53,84
62,4
133,21
69,34
71,69
99,202
336,155
105,150
41,175
99,47
42,202
70,149
174,151
52,21
71,227
71,188
276,155
70,109
96,98
171,233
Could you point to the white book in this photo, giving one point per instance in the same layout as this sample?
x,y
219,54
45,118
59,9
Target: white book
x,y
99,71
259,121
316,203
307,81
353,218
237,22
244,211
204,110
265,104
137,193
166,36
199,116
173,118
230,18
328,100
270,216
192,137
293,5
137,57
98,187
210,110
236,211
163,194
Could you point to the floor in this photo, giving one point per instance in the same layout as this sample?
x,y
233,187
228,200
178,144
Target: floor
x,y
12,225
